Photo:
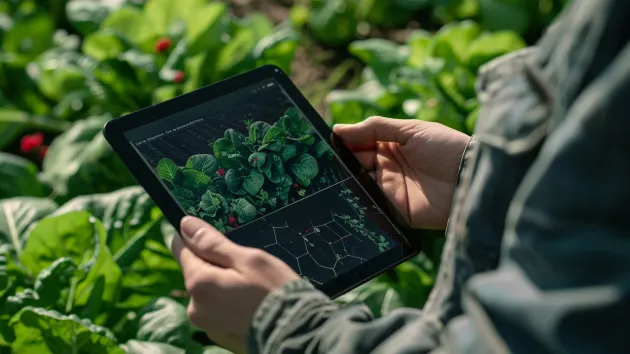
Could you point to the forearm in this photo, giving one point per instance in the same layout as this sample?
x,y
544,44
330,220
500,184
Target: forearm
x,y
300,319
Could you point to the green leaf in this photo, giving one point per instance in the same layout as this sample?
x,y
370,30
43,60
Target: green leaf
x,y
504,15
277,49
294,125
452,42
163,15
60,73
321,149
239,141
305,168
381,55
56,237
154,272
165,93
81,161
284,187
18,177
203,163
167,169
257,131
222,148
236,161
87,15
276,170
17,215
492,45
288,152
234,180
213,203
253,182
334,22
53,280
28,38
104,45
273,139
138,347
257,159
205,28
164,321
45,331
127,214
244,210
130,23
419,43
194,179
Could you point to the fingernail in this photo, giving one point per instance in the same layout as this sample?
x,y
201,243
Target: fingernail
x,y
190,225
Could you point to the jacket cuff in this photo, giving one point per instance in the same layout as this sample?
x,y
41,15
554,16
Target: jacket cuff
x,y
466,156
282,307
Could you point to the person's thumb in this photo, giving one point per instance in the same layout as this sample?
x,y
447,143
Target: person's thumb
x,y
208,243
366,134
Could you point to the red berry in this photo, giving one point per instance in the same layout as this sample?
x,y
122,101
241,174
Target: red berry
x,y
235,225
162,45
178,77
43,151
221,172
31,142
232,219
295,185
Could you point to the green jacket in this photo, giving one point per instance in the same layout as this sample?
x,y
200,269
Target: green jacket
x,y
537,258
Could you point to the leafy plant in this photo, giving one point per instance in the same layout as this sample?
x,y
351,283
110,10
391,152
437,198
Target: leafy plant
x,y
249,174
431,77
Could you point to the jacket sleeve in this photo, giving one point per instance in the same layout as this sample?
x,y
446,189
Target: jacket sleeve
x,y
297,318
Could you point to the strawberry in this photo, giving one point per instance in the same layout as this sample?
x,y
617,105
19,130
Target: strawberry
x,y
31,142
221,172
162,45
178,77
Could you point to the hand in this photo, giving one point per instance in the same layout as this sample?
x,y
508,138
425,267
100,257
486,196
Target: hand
x,y
414,162
226,282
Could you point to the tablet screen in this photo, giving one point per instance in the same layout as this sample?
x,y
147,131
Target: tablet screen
x,y
250,164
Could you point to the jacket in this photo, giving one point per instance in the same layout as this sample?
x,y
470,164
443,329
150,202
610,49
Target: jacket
x,y
537,257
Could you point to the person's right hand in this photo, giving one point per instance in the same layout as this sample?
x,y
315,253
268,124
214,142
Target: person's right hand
x,y
414,162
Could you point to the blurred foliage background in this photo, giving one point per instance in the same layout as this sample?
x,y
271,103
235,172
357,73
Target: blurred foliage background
x,y
83,247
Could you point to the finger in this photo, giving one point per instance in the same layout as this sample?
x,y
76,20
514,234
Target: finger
x,y
367,159
372,174
208,243
391,178
366,134
188,261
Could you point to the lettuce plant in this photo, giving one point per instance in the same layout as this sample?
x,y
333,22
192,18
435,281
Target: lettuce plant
x,y
249,173
431,77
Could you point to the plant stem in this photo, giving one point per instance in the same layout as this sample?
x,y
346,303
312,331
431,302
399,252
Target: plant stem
x,y
73,289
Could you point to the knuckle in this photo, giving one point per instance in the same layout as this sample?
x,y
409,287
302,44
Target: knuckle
x,y
257,258
193,314
373,120
194,284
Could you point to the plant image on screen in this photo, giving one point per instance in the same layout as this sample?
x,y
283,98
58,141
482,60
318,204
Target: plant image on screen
x,y
247,176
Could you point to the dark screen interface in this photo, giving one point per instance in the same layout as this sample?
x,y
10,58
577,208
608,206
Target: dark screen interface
x,y
250,164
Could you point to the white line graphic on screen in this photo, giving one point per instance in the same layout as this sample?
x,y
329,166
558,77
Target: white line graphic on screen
x,y
328,246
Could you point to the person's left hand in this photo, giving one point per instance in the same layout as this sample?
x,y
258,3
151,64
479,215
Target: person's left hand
x,y
226,282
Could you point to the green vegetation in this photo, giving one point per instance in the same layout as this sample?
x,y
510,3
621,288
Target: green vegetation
x,y
84,262
249,174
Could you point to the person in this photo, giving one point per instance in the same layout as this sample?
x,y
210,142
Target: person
x,y
535,206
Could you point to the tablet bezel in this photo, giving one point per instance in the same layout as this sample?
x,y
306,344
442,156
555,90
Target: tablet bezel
x,y
114,132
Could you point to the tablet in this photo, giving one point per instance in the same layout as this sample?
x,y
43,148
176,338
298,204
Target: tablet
x,y
252,157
